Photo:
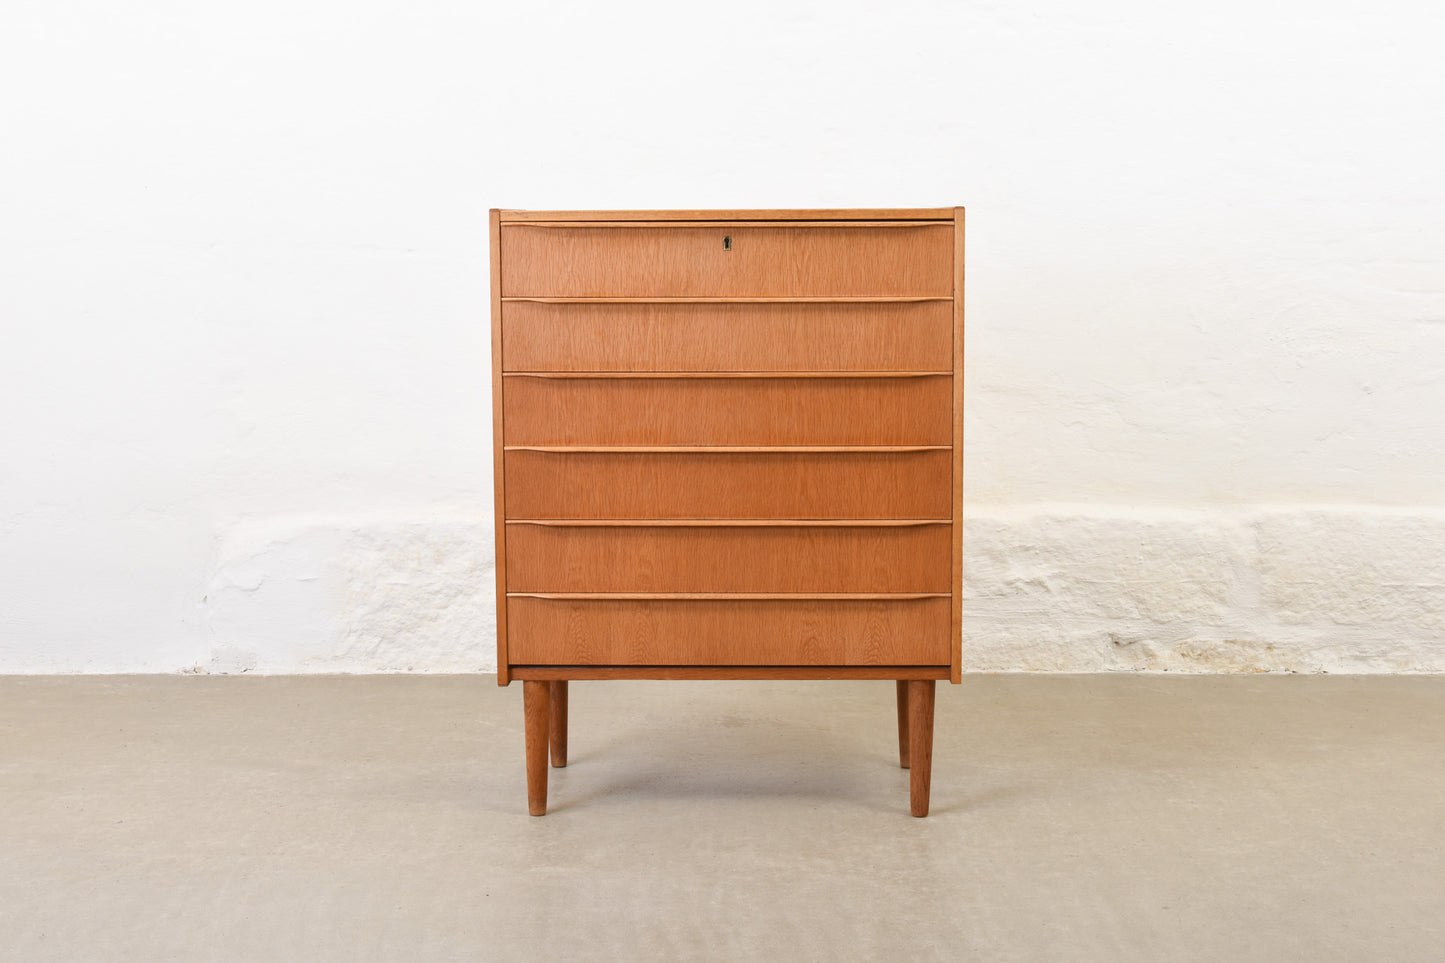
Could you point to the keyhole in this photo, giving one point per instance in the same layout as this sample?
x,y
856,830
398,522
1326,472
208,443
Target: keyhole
x,y
727,244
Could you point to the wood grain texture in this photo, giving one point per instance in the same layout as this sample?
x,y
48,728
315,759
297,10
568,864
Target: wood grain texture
x,y
724,449
794,336
713,632
736,559
557,721
779,214
751,596
761,672
738,485
725,375
956,617
498,456
729,522
729,411
536,719
920,744
895,299
723,223
764,260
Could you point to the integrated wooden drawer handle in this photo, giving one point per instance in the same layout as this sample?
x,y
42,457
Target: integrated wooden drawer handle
x,y
861,299
729,522
776,375
748,449
743,596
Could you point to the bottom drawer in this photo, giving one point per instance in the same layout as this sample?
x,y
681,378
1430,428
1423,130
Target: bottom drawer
x,y
562,631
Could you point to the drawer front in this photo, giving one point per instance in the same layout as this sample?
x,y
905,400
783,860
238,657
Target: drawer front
x,y
728,632
799,336
758,261
728,411
789,559
910,484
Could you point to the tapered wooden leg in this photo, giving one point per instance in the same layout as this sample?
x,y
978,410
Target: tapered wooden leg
x,y
536,699
558,726
903,724
920,747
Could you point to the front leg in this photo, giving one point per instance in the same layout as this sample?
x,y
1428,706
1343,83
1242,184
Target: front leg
x,y
536,708
920,744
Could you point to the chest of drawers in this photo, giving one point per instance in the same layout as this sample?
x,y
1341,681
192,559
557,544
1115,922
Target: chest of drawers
x,y
728,445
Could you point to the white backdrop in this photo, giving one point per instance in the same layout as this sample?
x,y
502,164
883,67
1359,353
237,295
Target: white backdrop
x,y
243,283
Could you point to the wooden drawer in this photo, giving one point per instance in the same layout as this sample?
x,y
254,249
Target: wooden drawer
x,y
728,411
727,558
832,484
690,260
768,336
551,631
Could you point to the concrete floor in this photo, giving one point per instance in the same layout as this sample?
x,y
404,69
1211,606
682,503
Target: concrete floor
x,y
384,818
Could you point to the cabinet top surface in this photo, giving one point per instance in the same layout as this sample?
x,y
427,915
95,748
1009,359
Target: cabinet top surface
x,y
790,214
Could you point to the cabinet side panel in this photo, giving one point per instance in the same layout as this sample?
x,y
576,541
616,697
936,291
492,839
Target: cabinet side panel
x,y
498,469
956,616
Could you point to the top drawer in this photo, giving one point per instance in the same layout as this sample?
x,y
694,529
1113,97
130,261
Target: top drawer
x,y
903,259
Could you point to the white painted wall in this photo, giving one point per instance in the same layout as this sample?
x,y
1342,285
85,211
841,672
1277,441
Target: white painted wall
x,y
243,285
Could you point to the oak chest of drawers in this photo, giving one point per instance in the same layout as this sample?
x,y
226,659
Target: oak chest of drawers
x,y
728,446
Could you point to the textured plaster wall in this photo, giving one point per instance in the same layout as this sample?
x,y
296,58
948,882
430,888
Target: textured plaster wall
x,y
244,398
